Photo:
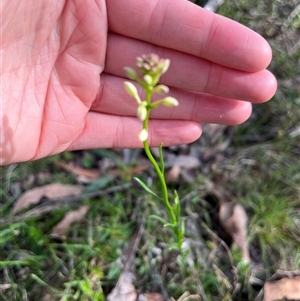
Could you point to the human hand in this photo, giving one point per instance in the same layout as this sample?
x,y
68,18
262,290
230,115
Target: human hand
x,y
53,98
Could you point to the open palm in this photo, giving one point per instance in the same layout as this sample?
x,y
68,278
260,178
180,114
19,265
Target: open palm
x,y
62,73
53,55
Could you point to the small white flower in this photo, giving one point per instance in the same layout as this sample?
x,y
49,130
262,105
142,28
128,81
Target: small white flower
x,y
143,135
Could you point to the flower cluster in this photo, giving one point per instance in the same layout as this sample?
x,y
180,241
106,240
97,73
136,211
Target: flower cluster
x,y
150,70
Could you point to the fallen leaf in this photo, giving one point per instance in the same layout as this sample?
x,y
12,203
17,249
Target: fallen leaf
x,y
288,288
82,172
172,176
124,289
71,217
180,164
233,218
51,191
86,176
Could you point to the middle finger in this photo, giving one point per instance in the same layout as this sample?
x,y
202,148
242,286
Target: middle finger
x,y
192,73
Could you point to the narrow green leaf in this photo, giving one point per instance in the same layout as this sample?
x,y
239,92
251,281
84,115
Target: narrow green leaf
x,y
147,188
176,197
158,218
169,225
177,208
161,159
182,227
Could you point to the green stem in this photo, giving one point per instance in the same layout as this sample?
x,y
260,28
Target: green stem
x,y
156,166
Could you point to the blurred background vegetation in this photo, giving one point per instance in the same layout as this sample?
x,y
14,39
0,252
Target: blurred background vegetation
x,y
255,165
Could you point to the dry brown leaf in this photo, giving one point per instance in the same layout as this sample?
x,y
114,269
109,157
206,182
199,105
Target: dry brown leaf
x,y
180,164
172,176
288,288
51,191
233,218
124,289
83,175
79,171
71,217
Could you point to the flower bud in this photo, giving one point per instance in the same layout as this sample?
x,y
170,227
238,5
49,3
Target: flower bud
x,y
132,91
148,79
170,101
164,65
161,89
167,101
153,65
142,111
143,135
130,73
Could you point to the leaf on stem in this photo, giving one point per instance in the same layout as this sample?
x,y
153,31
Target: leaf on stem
x,y
177,209
169,225
158,218
182,227
147,188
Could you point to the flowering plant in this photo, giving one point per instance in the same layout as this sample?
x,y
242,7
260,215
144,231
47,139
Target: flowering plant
x,y
150,69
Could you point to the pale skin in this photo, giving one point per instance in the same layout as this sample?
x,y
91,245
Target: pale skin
x,y
62,73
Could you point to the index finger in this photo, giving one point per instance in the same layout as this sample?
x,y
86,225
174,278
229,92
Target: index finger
x,y
183,26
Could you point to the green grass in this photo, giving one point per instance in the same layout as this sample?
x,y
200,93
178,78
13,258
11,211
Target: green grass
x,y
262,165
32,264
